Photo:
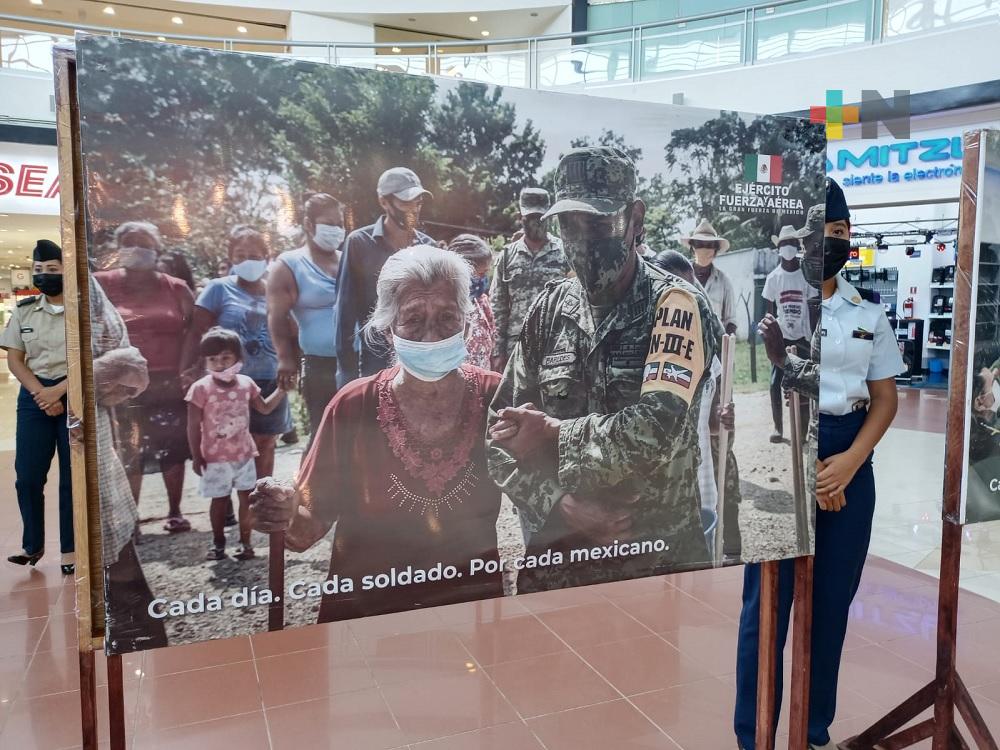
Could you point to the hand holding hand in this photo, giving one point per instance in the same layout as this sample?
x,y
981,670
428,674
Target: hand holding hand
x,y
288,374
526,433
836,473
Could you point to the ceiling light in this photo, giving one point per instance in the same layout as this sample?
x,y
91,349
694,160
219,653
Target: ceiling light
x,y
484,33
473,18
397,50
178,20
109,10
242,29
36,2
10,252
161,39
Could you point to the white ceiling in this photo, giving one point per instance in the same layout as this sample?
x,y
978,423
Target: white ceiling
x,y
18,234
222,20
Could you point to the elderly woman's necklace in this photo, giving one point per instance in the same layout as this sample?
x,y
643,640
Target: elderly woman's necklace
x,y
434,459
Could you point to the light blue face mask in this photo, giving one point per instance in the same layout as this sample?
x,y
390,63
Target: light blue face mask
x,y
329,237
430,360
251,270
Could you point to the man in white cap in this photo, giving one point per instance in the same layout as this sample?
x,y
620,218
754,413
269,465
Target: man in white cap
x,y
705,244
787,294
401,197
522,269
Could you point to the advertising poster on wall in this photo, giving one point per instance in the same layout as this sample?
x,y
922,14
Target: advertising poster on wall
x,y
422,328
981,495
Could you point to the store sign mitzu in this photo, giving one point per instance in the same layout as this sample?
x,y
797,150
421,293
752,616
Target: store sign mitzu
x,y
762,190
29,179
926,166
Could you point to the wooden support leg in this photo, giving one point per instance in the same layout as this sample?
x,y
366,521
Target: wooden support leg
x,y
116,702
767,655
798,729
88,699
276,580
944,700
973,719
896,718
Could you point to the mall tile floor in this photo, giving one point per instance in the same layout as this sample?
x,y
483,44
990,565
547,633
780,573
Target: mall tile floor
x,y
638,665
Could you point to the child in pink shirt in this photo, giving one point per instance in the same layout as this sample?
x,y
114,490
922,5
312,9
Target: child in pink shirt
x,y
218,434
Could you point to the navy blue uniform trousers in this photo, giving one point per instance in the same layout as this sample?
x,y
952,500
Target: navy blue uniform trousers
x,y
841,548
39,437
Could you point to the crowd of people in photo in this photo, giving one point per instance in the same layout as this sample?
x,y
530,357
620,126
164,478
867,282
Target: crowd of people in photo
x,y
222,353
576,373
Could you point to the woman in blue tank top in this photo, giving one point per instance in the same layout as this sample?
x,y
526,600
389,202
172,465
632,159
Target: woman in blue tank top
x,y
302,294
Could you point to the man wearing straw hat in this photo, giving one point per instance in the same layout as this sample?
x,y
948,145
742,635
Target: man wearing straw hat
x,y
788,294
705,243
593,430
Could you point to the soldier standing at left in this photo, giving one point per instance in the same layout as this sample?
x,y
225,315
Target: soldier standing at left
x,y
35,341
593,430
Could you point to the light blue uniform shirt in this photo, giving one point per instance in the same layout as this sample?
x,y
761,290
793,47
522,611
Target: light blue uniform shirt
x,y
315,309
858,345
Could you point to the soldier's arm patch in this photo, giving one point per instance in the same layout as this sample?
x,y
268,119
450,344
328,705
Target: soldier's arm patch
x,y
676,358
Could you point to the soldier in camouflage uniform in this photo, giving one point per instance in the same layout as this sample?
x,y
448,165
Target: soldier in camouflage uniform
x,y
522,269
593,430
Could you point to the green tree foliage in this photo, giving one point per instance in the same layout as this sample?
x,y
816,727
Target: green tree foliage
x,y
486,160
707,161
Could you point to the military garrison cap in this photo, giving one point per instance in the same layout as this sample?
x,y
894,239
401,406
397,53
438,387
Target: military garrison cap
x,y
594,180
533,201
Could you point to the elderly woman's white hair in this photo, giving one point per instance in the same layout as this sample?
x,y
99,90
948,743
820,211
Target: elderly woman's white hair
x,y
139,227
417,267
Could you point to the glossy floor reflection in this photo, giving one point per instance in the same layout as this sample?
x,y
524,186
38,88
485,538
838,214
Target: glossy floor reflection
x,y
638,665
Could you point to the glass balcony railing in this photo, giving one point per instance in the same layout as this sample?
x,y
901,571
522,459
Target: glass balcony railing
x,y
780,29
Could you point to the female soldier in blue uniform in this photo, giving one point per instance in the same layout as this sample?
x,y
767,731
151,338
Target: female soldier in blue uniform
x,y
857,402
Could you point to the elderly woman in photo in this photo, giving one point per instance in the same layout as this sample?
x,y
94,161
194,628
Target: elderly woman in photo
x,y
399,460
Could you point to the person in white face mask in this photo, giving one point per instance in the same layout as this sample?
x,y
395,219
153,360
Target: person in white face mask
x,y
399,461
302,296
239,303
787,294
157,309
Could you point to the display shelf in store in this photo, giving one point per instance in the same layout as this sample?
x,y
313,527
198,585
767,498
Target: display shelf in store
x,y
940,347
943,286
940,316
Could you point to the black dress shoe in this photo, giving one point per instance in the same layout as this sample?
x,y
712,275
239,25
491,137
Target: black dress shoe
x,y
25,559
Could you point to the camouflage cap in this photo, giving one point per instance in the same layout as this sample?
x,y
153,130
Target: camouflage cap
x,y
533,201
594,180
815,221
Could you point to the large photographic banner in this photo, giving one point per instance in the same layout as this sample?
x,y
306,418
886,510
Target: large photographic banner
x,y
981,495
425,334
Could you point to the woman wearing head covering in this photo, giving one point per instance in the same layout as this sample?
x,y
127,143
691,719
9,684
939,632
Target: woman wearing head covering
x,y
399,462
482,327
35,341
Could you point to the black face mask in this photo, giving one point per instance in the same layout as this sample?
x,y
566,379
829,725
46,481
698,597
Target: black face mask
x,y
836,251
49,284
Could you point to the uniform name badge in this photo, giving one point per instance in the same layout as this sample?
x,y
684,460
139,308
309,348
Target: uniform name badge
x,y
676,357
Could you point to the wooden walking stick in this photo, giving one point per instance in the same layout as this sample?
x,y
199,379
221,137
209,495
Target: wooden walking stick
x,y
725,396
799,493
276,580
